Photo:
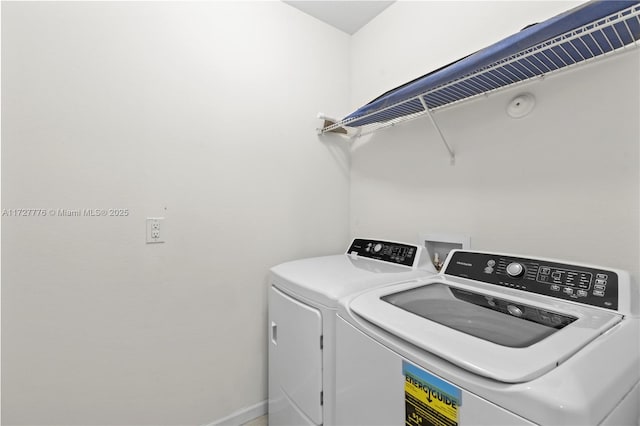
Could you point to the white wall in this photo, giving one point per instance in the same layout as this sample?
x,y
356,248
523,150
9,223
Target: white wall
x,y
562,182
200,112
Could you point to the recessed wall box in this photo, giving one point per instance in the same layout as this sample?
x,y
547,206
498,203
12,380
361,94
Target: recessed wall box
x,y
438,246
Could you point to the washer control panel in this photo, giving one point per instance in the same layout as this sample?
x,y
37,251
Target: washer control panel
x,y
398,253
591,286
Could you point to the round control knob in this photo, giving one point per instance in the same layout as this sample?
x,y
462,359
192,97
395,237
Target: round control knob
x,y
514,310
515,269
377,247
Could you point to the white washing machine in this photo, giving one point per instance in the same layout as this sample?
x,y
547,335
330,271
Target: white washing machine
x,y
493,339
303,299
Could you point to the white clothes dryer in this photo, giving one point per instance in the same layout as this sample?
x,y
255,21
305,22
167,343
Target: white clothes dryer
x,y
493,339
303,298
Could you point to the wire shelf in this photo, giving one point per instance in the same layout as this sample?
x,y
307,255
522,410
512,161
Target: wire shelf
x,y
605,36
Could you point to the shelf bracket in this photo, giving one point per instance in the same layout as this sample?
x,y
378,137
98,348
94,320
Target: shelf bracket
x,y
452,155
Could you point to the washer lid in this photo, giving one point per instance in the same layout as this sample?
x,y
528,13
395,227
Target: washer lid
x,y
497,335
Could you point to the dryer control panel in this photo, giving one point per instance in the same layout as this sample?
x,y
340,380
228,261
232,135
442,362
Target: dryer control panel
x,y
590,286
386,251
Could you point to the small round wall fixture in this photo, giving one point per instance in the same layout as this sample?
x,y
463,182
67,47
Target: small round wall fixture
x,y
521,105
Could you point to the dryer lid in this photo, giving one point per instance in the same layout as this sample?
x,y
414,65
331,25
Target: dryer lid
x,y
496,335
326,279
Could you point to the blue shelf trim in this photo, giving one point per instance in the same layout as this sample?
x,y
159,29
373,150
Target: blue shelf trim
x,y
585,32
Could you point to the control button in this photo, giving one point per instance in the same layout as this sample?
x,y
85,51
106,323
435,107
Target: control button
x,y
582,293
598,293
599,288
555,287
556,319
491,263
545,270
377,247
557,275
488,270
601,276
514,310
601,282
515,269
545,318
568,290
490,301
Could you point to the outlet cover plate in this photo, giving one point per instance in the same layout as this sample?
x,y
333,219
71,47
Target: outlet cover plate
x,y
155,230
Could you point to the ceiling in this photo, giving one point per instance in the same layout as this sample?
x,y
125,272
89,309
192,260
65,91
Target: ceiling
x,y
348,16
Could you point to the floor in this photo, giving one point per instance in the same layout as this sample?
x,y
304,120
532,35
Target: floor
x,y
260,421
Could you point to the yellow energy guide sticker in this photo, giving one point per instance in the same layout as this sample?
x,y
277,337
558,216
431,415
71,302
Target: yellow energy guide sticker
x,y
429,400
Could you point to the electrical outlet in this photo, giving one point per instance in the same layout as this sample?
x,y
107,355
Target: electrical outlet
x,y
155,230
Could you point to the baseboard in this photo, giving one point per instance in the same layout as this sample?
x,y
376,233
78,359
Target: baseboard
x,y
242,416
